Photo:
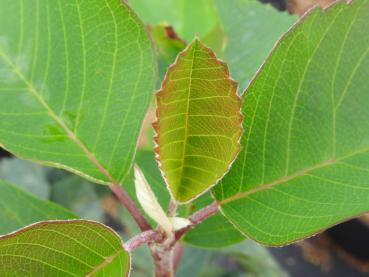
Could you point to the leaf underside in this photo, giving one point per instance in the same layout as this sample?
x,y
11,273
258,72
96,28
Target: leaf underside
x,y
76,80
63,248
304,165
19,209
214,232
198,122
251,29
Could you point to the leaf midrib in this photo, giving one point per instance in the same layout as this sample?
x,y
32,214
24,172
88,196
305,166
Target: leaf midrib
x,y
180,176
91,156
287,178
104,263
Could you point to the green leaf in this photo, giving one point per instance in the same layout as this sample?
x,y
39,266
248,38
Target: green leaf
x,y
142,261
63,248
305,159
237,30
214,232
199,122
193,262
27,175
251,30
19,209
77,78
188,17
168,45
248,259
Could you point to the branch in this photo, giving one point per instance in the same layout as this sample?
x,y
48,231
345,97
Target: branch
x,y
126,200
172,210
198,217
143,238
178,252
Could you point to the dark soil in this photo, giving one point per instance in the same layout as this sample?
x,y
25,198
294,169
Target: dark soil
x,y
341,251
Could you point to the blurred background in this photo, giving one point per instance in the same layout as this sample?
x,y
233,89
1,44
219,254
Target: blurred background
x,y
342,250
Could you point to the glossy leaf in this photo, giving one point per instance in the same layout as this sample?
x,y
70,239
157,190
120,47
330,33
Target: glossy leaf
x,y
19,209
199,122
251,30
76,80
188,17
63,248
237,30
304,163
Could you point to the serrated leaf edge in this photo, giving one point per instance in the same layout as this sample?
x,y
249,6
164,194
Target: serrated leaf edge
x,y
321,10
155,124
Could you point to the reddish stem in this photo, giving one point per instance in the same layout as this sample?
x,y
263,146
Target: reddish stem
x,y
178,252
124,198
172,210
143,238
198,217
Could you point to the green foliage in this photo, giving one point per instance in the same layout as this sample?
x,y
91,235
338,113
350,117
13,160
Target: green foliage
x,y
214,232
63,248
168,45
19,209
242,32
304,163
198,125
188,17
251,30
76,80
248,259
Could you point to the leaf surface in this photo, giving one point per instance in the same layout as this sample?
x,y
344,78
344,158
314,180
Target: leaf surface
x,y
251,30
237,30
188,17
305,159
168,45
63,248
76,80
214,232
19,209
198,122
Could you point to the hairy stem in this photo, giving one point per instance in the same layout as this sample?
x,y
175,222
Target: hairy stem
x,y
141,239
178,252
198,217
163,254
124,198
172,210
